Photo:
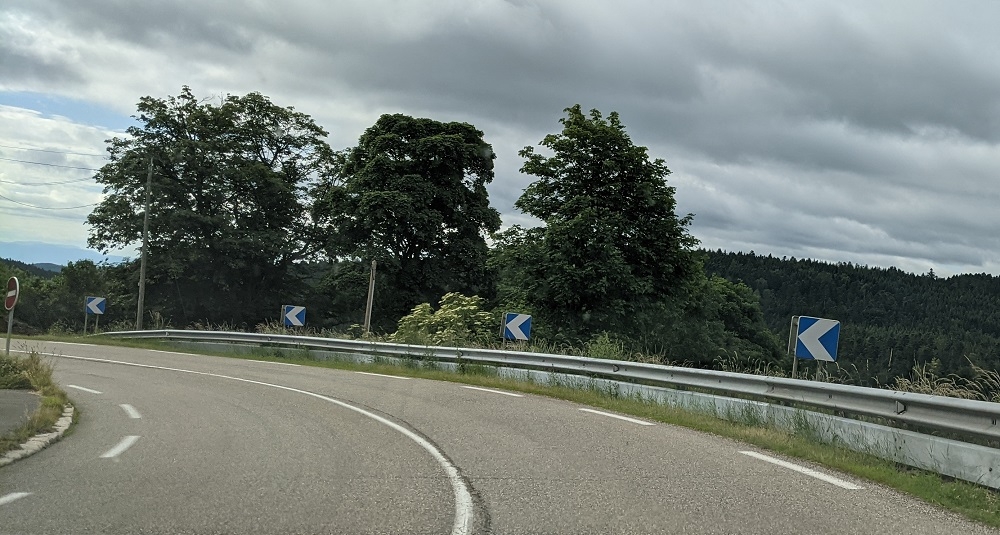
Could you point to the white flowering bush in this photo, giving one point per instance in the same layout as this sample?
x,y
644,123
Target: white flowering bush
x,y
459,320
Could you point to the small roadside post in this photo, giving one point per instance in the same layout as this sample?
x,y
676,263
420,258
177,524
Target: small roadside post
x,y
812,338
516,327
93,306
13,290
293,316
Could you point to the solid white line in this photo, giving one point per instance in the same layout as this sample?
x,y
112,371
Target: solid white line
x,y
7,498
626,418
382,375
511,394
173,352
463,498
85,389
272,362
130,410
803,470
125,444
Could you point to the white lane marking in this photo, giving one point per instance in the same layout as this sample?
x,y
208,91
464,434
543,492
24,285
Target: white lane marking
x,y
173,352
65,343
7,498
272,362
626,418
382,375
120,448
463,498
130,410
511,394
85,389
803,470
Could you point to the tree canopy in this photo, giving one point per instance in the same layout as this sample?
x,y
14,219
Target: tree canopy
x,y
230,209
611,241
412,196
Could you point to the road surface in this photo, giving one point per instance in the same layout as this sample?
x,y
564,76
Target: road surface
x,y
177,443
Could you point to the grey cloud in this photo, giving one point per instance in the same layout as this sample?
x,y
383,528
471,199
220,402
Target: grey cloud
x,y
840,128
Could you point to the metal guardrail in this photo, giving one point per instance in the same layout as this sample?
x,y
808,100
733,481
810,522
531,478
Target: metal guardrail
x,y
953,415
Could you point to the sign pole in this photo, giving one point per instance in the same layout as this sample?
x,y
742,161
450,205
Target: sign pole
x,y
10,327
9,302
97,321
792,329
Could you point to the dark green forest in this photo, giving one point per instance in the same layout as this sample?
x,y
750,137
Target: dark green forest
x,y
891,320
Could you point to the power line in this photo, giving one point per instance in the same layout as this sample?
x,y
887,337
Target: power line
x,y
53,151
48,207
75,180
50,164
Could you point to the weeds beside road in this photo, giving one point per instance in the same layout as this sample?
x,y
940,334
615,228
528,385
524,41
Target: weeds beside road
x,y
31,373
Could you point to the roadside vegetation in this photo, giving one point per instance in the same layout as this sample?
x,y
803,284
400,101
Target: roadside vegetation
x,y
31,372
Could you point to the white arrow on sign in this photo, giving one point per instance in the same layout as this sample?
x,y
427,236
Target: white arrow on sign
x,y
810,339
95,305
292,314
514,326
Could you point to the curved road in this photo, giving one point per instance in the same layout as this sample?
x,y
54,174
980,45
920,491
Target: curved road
x,y
177,443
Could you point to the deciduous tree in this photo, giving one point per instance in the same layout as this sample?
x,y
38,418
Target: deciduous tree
x,y
231,202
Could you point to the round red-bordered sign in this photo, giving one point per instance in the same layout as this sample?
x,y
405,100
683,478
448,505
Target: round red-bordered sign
x,y
13,288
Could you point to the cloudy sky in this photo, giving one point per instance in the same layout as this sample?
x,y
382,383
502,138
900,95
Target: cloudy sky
x,y
844,131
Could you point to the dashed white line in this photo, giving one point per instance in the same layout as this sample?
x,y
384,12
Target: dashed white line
x,y
272,362
511,394
464,508
85,389
626,418
7,498
803,470
173,352
130,410
120,448
382,375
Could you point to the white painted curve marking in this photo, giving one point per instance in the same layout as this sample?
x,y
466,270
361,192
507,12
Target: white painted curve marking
x,y
130,410
7,498
120,448
511,394
463,498
272,362
803,470
625,418
382,375
83,388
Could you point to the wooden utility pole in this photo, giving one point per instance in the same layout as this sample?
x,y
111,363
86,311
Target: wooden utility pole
x,y
371,300
145,247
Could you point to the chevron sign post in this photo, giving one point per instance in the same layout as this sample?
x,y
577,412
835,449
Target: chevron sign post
x,y
93,306
293,316
96,305
516,326
814,339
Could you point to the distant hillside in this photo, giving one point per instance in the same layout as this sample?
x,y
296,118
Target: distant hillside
x,y
883,312
31,269
55,268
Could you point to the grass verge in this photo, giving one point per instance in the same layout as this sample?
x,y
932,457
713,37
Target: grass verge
x,y
33,373
972,501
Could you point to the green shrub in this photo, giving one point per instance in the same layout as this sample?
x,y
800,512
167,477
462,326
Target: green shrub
x,y
458,321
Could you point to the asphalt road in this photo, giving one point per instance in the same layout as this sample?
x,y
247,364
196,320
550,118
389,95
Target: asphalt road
x,y
194,444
